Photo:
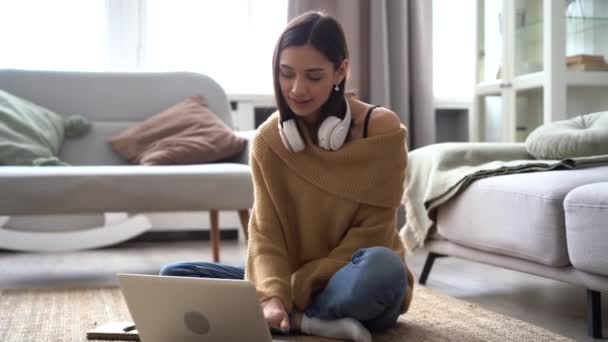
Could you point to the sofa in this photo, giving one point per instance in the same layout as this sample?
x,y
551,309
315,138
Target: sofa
x,y
552,224
98,180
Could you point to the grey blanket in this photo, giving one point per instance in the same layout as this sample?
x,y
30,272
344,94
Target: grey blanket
x,y
438,172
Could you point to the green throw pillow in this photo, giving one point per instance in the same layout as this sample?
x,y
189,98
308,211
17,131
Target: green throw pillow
x,y
582,136
32,135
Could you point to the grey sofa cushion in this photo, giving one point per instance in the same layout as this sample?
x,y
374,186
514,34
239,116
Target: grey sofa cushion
x,y
518,215
586,210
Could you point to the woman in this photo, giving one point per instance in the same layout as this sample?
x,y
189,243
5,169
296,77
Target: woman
x,y
328,172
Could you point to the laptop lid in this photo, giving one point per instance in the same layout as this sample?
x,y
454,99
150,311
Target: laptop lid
x,y
193,309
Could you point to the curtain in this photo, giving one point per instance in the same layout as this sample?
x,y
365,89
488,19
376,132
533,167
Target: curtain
x,y
390,45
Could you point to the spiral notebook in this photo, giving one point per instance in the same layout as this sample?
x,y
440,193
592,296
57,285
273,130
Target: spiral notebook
x,y
119,331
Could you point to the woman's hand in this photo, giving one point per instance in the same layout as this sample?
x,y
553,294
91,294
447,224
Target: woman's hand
x,y
275,314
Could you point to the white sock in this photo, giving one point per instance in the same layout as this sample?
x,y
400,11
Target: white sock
x,y
345,328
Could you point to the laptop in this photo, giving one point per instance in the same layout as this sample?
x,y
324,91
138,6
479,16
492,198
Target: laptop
x,y
167,309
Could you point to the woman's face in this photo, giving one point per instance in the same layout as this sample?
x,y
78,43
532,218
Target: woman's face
x,y
307,78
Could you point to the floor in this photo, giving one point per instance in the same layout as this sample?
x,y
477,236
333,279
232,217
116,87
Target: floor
x,y
553,305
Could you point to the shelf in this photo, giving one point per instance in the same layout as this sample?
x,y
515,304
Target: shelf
x,y
537,80
587,78
489,88
529,81
447,103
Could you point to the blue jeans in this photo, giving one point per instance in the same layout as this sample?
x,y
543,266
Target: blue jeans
x,y
370,288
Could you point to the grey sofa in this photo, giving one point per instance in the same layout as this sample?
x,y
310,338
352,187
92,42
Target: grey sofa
x,y
552,224
99,181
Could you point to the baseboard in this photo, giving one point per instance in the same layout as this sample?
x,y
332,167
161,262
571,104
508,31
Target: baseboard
x,y
185,235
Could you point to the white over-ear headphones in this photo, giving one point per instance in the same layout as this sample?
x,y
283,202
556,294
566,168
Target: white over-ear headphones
x,y
331,136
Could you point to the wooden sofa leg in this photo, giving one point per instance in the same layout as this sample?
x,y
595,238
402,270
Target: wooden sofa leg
x,y
215,233
244,217
428,264
594,314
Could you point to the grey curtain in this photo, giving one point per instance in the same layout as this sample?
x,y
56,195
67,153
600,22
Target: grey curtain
x,y
390,43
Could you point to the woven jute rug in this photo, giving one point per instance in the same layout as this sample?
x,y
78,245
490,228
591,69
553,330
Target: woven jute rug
x,y
66,315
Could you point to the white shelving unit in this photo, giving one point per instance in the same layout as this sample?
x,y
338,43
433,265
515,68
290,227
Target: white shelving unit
x,y
451,120
522,78
244,107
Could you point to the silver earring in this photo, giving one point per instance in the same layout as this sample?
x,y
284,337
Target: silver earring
x,y
337,87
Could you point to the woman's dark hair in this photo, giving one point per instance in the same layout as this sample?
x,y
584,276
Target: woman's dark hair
x,y
325,34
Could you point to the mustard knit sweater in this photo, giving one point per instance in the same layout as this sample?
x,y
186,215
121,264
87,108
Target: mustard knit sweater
x,y
313,209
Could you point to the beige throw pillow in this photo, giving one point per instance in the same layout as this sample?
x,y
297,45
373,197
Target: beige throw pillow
x,y
187,133
581,136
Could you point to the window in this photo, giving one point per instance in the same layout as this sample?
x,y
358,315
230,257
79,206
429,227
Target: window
x,y
230,40
453,50
60,34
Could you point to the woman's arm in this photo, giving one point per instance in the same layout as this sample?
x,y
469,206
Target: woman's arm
x,y
267,265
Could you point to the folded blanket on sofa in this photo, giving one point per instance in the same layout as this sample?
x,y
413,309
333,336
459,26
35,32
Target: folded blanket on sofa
x,y
438,172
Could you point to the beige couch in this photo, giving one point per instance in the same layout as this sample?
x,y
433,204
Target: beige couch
x,y
99,180
552,224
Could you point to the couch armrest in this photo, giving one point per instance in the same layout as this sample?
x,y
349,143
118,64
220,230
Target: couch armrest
x,y
243,157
